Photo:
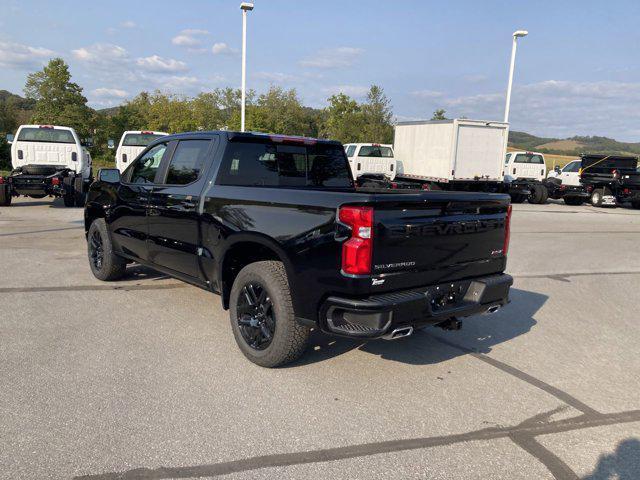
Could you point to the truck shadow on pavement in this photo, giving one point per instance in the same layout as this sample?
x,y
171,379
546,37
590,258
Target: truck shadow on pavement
x,y
623,464
433,345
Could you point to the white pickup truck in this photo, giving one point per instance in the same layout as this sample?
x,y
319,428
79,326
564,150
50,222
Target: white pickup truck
x,y
47,160
132,143
371,158
527,167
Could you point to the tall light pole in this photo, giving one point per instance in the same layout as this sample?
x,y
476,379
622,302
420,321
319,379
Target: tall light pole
x,y
246,7
516,34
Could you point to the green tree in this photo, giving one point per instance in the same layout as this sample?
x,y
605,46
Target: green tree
x,y
279,111
439,114
343,119
58,100
377,117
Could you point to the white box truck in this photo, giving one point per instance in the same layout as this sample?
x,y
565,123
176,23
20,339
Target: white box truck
x,y
459,154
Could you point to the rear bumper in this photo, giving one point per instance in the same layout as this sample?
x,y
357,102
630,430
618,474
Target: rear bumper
x,y
35,185
373,316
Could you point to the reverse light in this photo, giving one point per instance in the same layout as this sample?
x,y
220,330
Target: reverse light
x,y
507,231
616,174
357,251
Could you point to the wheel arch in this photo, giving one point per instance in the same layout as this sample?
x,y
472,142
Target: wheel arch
x,y
244,250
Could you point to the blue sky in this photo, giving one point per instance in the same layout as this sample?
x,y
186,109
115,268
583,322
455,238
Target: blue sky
x,y
577,72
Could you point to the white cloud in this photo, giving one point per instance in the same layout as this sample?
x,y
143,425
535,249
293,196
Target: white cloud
x,y
333,58
351,90
109,93
276,77
17,55
156,63
128,24
222,48
475,78
190,37
427,94
558,108
101,54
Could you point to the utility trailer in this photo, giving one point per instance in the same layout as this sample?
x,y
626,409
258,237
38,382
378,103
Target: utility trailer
x,y
458,155
611,179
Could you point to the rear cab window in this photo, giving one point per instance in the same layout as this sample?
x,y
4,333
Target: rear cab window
x,y
285,165
375,151
46,135
529,158
139,139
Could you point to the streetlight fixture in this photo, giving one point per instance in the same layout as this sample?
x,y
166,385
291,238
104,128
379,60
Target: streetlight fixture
x,y
516,35
245,7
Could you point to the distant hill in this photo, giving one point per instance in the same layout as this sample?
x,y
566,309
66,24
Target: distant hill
x,y
571,146
20,102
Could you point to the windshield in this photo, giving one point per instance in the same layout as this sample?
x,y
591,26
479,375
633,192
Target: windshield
x,y
139,139
375,151
47,135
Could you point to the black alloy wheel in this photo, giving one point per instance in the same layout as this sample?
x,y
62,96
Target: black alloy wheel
x,y
96,250
255,316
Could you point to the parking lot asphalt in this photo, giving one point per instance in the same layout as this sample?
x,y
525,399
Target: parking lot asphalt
x,y
142,378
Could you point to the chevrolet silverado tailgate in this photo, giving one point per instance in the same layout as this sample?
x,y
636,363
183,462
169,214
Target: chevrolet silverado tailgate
x,y
431,237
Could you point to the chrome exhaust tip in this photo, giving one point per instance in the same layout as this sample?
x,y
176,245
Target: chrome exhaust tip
x,y
397,333
492,309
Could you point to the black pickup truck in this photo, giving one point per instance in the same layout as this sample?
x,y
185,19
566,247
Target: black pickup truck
x,y
611,179
276,226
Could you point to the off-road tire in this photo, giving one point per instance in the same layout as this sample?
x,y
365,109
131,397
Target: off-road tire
x,y
572,200
518,198
69,199
79,198
289,338
5,196
112,267
597,196
539,195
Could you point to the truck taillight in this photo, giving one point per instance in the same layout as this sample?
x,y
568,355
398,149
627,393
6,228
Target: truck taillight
x,y
1,180
615,173
55,181
507,231
357,251
74,157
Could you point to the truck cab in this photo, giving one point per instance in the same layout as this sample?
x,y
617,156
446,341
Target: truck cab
x,y
47,160
564,183
371,158
524,166
131,144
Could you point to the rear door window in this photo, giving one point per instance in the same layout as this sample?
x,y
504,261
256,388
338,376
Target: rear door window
x,y
351,149
271,165
187,162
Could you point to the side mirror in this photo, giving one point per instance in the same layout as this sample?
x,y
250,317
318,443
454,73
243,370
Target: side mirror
x,y
109,175
557,169
111,144
10,137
